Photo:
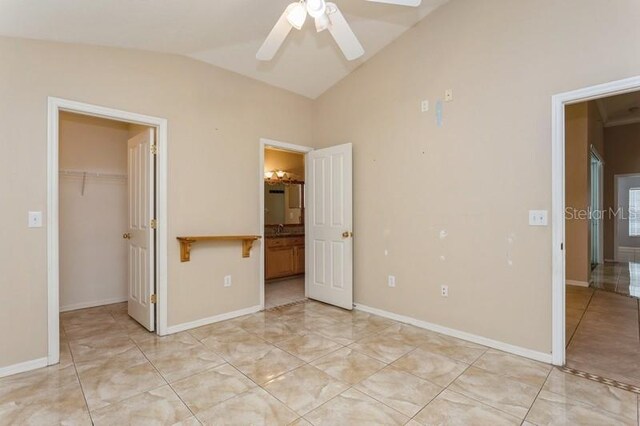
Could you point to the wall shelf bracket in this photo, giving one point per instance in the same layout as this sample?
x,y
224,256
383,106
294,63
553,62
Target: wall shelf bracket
x,y
186,242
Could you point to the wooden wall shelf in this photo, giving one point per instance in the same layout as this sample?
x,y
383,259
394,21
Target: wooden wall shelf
x,y
185,243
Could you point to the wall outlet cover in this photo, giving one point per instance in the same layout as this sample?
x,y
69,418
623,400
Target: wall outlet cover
x,y
35,220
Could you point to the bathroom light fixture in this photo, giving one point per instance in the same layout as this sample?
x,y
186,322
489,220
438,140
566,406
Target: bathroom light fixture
x,y
280,173
269,174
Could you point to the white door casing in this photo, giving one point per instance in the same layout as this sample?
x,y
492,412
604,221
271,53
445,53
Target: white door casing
x,y
140,235
329,207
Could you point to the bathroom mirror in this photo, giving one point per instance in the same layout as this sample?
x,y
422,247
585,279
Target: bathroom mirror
x,y
283,203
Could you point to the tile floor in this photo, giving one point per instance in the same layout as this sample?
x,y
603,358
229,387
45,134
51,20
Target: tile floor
x,y
283,291
617,277
603,334
303,364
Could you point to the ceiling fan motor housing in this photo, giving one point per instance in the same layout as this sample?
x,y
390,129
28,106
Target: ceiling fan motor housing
x,y
316,8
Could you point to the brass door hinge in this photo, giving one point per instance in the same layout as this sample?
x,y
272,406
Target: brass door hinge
x,y
154,149
154,223
154,298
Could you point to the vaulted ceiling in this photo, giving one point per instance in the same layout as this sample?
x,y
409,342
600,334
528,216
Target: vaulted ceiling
x,y
226,33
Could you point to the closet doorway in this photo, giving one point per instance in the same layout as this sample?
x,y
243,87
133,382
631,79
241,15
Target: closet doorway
x,y
106,215
107,239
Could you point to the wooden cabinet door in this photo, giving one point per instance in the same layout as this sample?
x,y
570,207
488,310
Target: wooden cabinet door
x,y
300,260
280,262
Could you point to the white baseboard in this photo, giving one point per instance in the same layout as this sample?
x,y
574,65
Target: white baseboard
x,y
577,283
93,304
505,347
210,320
23,366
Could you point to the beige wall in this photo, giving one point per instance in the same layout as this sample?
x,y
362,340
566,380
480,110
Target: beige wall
x,y
583,129
478,175
93,255
622,150
215,120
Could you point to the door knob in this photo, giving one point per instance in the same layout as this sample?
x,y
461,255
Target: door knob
x,y
347,234
126,236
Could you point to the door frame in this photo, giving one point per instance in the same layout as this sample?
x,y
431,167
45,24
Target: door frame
x,y
558,254
616,179
264,143
55,105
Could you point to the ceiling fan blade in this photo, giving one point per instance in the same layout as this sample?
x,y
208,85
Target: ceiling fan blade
x,y
413,3
343,35
276,37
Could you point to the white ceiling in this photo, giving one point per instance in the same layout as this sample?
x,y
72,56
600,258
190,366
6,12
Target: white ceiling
x,y
620,109
226,33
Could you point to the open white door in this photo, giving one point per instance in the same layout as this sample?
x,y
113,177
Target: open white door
x,y
141,235
329,241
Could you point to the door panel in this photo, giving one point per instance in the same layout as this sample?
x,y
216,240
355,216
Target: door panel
x,y
330,245
141,236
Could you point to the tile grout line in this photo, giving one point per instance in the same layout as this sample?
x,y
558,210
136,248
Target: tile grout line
x,y
537,395
584,312
165,380
75,368
84,396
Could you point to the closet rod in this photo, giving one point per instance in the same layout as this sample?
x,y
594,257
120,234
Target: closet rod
x,y
79,173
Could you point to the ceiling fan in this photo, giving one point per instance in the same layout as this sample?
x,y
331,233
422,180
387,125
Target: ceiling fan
x,y
327,16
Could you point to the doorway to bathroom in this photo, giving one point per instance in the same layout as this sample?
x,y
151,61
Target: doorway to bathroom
x,y
284,233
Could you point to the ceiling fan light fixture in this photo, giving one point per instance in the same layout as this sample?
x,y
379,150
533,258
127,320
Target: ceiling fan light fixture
x,y
322,22
297,15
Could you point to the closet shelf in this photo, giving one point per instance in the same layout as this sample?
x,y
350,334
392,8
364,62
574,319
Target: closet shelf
x,y
186,242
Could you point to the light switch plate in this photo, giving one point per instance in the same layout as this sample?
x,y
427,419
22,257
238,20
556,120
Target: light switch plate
x,y
424,106
538,218
35,220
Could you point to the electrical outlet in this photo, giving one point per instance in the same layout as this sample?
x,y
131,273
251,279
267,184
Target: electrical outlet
x,y
444,291
424,106
448,95
391,281
35,220
227,280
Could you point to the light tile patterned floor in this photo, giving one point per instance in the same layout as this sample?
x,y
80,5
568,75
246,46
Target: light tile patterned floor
x,y
617,277
603,334
284,291
302,364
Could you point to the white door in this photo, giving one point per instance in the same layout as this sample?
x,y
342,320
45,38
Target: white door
x,y
141,235
329,242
